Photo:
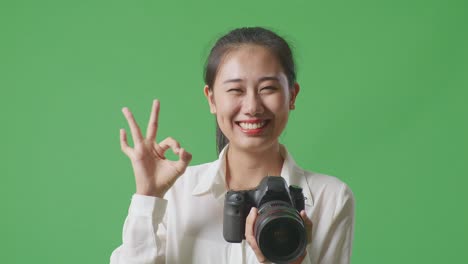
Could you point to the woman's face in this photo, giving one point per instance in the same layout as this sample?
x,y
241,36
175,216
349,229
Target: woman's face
x,y
251,98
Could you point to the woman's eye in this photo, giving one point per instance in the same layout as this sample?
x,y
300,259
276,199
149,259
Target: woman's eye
x,y
235,90
268,89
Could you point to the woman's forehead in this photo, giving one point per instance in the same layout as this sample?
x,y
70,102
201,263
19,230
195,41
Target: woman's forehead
x,y
250,62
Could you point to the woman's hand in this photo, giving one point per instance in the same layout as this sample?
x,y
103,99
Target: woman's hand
x,y
250,238
154,174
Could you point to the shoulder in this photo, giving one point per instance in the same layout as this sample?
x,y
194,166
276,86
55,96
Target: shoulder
x,y
319,185
321,181
328,189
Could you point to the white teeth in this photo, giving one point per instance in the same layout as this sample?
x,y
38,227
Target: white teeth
x,y
251,125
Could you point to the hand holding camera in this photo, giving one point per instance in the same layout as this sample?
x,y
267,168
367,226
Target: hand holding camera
x,y
250,238
281,230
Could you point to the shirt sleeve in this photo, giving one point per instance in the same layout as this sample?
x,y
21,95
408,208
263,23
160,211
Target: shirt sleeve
x,y
337,245
144,232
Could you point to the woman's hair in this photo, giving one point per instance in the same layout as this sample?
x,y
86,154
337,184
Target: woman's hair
x,y
233,40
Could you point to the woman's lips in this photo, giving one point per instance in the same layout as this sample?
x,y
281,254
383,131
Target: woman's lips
x,y
252,127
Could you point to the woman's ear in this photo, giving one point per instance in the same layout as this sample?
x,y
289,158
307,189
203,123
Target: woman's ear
x,y
210,98
293,94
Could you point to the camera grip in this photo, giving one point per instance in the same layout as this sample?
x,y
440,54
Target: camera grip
x,y
234,217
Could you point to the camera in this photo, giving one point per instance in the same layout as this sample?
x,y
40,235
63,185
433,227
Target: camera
x,y
279,229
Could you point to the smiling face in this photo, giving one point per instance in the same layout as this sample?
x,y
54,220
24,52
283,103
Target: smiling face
x,y
251,98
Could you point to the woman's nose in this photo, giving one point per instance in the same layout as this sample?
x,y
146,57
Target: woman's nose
x,y
253,104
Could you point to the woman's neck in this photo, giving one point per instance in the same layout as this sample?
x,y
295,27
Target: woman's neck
x,y
245,170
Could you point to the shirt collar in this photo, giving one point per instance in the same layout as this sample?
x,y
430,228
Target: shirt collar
x,y
214,179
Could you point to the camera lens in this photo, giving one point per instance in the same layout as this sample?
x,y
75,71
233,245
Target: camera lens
x,y
280,232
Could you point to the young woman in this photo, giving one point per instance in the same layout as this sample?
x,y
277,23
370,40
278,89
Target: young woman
x,y
176,214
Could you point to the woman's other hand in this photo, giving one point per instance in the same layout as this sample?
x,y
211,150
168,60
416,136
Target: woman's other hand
x,y
250,238
154,174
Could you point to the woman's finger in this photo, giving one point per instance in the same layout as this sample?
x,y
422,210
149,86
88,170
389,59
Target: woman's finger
x,y
249,234
184,160
166,144
249,222
308,224
123,143
152,129
136,133
300,259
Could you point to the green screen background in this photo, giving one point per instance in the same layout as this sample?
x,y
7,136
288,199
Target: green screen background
x,y
382,107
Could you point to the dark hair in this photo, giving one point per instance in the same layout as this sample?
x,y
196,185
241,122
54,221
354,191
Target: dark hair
x,y
233,40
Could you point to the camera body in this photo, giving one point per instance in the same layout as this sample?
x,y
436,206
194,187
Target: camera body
x,y
279,228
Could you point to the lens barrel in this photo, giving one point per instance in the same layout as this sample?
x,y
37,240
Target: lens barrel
x,y
280,232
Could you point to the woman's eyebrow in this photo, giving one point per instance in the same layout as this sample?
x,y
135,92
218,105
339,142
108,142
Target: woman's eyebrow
x,y
266,78
233,80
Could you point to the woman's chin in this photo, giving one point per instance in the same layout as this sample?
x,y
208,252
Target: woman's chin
x,y
254,144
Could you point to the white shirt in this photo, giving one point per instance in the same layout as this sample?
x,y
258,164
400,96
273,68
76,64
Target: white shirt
x,y
187,225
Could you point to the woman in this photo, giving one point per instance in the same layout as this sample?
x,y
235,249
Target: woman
x,y
176,214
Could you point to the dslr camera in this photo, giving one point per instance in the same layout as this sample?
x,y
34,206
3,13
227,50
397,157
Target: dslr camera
x,y
279,229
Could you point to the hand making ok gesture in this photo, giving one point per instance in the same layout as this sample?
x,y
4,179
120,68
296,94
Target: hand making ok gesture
x,y
154,174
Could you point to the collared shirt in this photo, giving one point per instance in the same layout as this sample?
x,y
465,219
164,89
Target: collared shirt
x,y
187,225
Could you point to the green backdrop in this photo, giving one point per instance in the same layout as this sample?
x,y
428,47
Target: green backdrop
x,y
382,107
